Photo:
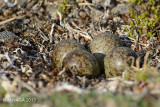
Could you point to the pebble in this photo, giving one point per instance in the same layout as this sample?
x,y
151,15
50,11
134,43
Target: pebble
x,y
120,9
52,10
7,12
105,3
7,36
26,21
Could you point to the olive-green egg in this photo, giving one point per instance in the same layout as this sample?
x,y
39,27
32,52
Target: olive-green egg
x,y
102,44
81,63
62,48
117,61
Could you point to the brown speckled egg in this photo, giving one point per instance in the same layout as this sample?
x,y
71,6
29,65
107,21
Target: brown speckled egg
x,y
62,48
81,63
102,44
117,61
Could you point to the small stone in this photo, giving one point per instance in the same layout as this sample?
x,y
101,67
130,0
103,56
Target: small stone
x,y
7,12
7,36
22,3
52,10
105,3
120,9
26,21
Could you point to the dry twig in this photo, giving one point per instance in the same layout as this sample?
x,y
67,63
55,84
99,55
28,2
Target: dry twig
x,y
8,20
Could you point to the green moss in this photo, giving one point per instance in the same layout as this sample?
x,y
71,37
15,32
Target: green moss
x,y
63,7
146,19
2,92
141,76
71,99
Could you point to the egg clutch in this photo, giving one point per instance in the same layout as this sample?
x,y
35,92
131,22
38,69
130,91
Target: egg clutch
x,y
107,55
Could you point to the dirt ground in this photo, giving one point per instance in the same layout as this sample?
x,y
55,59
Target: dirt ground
x,y
26,57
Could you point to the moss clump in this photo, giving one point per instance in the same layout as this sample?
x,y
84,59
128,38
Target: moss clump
x,y
145,19
63,7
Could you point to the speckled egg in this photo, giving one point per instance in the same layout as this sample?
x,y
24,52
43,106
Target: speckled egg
x,y
62,48
81,63
102,44
117,61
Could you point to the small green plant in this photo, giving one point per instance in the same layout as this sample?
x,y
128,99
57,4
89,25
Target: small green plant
x,y
145,20
142,74
135,1
2,92
63,7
